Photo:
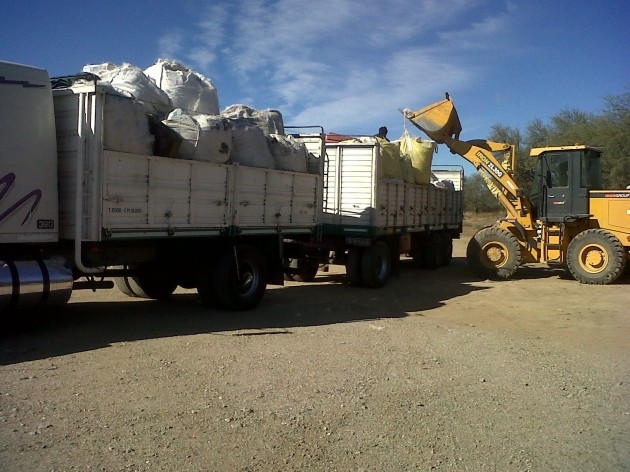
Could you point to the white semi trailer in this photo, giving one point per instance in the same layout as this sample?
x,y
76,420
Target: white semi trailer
x,y
369,221
74,214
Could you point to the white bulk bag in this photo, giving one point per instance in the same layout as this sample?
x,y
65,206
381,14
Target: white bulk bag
x,y
186,88
288,153
126,126
205,137
270,121
250,148
131,81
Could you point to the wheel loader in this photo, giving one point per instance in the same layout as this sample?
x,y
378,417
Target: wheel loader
x,y
566,219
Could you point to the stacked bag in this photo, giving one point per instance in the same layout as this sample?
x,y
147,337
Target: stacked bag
x,y
174,112
419,157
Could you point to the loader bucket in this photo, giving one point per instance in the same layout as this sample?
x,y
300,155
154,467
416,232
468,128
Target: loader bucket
x,y
439,121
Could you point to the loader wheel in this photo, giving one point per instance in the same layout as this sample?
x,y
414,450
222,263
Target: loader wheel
x,y
239,280
494,253
376,265
596,257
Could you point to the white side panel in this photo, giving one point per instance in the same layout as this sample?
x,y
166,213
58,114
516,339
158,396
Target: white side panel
x,y
169,192
125,199
28,156
350,184
210,195
275,200
144,193
391,204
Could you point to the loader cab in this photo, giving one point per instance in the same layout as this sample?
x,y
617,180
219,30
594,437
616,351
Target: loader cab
x,y
564,175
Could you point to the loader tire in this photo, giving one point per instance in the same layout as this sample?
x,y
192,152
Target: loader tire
x,y
596,257
494,253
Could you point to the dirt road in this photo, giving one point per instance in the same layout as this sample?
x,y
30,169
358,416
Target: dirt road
x,y
436,371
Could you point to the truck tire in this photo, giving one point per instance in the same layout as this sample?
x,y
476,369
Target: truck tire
x,y
151,283
376,265
447,248
596,257
240,279
307,270
353,266
417,254
433,252
494,253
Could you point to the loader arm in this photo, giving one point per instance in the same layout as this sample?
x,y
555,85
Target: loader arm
x,y
441,123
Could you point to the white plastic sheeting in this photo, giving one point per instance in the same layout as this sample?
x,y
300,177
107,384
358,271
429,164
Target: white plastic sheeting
x,y
186,88
205,137
288,153
127,127
131,81
270,121
250,147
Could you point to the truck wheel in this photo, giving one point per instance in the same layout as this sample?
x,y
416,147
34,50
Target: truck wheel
x,y
417,254
307,270
240,279
151,283
376,265
353,266
288,263
447,249
434,252
596,257
494,253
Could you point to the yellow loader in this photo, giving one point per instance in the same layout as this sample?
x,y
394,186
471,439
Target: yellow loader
x,y
567,218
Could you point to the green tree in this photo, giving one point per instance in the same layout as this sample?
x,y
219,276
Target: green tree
x,y
614,133
477,197
609,131
523,169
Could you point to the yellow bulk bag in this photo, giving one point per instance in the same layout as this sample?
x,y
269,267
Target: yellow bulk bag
x,y
421,154
390,160
406,168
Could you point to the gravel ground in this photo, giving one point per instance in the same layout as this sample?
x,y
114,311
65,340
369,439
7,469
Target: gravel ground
x,y
436,371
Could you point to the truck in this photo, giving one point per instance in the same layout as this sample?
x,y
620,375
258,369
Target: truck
x,y
77,214
370,221
568,219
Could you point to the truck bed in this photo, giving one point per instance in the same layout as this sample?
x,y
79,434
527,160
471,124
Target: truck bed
x,y
358,202
125,195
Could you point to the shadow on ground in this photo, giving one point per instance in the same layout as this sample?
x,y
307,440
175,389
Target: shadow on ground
x,y
92,323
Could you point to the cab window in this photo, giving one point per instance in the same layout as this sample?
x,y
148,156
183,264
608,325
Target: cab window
x,y
590,172
556,166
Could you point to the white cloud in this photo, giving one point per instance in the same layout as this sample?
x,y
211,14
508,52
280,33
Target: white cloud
x,y
343,62
170,44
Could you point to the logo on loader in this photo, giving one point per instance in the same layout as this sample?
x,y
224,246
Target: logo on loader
x,y
495,170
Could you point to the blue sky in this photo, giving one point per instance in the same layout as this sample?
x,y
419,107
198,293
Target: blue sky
x,y
349,65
